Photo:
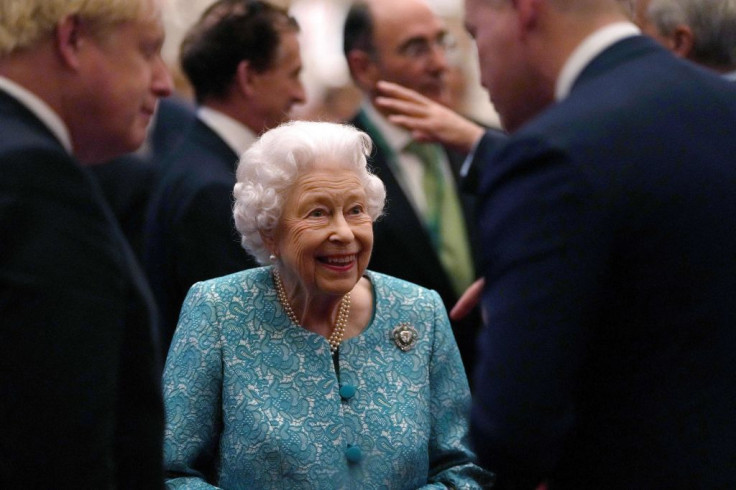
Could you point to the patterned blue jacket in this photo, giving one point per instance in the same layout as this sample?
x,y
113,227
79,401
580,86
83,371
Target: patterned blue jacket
x,y
255,402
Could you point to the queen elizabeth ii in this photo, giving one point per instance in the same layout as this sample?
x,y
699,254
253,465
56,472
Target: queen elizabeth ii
x,y
312,371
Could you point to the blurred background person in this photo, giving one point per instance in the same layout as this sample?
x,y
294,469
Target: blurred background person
x,y
426,236
330,92
314,372
702,31
243,61
79,374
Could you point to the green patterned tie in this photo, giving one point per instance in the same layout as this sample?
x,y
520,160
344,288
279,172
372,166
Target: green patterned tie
x,y
443,218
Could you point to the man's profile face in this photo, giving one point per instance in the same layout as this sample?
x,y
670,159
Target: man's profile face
x,y
279,88
123,75
516,88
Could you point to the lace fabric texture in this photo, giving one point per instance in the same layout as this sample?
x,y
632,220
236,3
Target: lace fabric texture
x,y
253,401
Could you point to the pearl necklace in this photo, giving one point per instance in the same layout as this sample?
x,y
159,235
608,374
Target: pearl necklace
x,y
338,332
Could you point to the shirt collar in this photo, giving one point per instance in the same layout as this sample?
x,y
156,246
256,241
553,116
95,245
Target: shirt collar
x,y
235,134
592,46
394,136
731,76
40,109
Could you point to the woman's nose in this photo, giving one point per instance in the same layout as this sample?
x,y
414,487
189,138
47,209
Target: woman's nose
x,y
341,229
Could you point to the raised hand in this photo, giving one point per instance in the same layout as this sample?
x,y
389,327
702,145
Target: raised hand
x,y
426,119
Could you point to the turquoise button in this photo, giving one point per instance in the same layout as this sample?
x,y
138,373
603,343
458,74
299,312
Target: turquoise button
x,y
354,454
347,391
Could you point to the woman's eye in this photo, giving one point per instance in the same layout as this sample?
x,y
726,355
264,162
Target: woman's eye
x,y
357,210
317,213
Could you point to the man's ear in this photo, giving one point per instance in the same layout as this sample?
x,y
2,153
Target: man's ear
x,y
363,69
244,78
69,39
528,13
682,41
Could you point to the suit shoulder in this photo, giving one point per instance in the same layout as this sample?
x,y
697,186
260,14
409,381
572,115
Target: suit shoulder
x,y
35,168
199,158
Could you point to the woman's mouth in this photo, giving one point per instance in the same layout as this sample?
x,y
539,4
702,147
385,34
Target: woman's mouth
x,y
338,261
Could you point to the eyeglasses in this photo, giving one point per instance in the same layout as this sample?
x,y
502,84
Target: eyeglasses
x,y
420,48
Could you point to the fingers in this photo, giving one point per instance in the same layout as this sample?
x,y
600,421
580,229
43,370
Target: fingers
x,y
468,301
417,126
400,106
400,92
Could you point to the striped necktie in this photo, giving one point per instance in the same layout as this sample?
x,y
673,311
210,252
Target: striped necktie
x,y
443,217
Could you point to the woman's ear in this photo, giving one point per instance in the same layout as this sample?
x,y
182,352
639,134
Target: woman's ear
x,y
269,241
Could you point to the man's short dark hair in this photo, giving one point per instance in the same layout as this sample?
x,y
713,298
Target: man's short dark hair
x,y
358,31
228,32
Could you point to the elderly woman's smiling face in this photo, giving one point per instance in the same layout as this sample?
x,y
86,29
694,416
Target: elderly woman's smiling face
x,y
325,235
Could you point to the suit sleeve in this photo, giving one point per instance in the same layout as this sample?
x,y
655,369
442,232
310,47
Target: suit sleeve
x,y
192,394
544,248
451,461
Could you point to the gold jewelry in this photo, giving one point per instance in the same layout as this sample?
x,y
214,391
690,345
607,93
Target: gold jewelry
x,y
338,331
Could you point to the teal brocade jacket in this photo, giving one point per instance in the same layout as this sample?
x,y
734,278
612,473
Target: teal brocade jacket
x,y
256,402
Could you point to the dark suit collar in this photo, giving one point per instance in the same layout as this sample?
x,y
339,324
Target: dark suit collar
x,y
206,136
233,132
616,54
19,113
364,122
40,109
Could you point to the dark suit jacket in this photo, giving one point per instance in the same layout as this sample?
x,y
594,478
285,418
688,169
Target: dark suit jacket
x,y
126,183
403,248
609,240
472,169
174,118
79,373
190,233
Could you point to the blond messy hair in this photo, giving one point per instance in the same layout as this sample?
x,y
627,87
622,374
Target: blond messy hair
x,y
23,23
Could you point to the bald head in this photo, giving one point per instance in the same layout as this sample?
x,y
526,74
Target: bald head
x,y
401,41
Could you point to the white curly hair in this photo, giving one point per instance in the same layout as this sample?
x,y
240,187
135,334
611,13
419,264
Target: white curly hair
x,y
268,169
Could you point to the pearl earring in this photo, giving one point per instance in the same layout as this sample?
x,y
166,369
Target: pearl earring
x,y
272,258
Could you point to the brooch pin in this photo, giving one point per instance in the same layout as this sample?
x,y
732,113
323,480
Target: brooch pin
x,y
405,336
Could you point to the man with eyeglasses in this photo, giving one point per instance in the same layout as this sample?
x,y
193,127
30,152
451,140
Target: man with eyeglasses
x,y
426,235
